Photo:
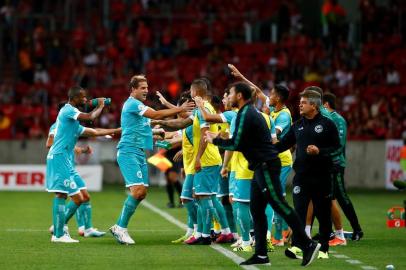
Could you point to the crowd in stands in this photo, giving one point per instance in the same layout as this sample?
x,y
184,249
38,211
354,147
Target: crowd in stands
x,y
177,41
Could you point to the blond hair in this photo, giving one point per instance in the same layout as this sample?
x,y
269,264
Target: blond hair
x,y
135,81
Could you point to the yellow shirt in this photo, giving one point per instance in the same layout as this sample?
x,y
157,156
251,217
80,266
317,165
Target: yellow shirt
x,y
211,155
188,153
285,157
241,164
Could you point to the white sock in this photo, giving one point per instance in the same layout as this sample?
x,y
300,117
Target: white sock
x,y
235,235
198,235
205,235
246,243
225,231
340,233
195,228
189,232
307,230
268,235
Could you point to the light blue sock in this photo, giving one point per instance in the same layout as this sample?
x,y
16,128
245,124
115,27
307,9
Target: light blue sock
x,y
58,216
79,216
230,217
269,216
130,204
199,218
87,214
191,213
207,209
220,212
244,220
70,210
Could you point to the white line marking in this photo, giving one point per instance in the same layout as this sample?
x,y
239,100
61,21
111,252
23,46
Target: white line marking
x,y
353,262
367,267
341,256
173,220
23,230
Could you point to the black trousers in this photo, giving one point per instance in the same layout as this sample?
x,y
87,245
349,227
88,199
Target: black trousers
x,y
340,194
318,189
266,188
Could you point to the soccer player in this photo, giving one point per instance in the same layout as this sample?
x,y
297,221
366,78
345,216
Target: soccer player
x,y
262,157
340,193
283,120
60,174
136,137
84,212
207,161
188,166
225,120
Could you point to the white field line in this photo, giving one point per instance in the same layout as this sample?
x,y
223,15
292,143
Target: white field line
x,y
232,256
28,230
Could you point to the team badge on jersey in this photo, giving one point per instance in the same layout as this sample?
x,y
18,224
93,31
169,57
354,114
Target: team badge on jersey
x,y
318,128
139,174
296,190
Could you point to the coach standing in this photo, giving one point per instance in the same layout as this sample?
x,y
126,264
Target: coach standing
x,y
316,137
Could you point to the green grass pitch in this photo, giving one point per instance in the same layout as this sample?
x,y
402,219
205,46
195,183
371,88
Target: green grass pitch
x,y
25,241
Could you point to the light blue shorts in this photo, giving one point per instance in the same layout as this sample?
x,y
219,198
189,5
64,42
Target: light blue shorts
x,y
60,175
285,171
231,184
223,187
134,168
242,190
79,181
206,180
187,187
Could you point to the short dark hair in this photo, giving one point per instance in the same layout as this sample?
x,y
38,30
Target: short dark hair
x,y
185,96
135,81
74,91
203,86
282,91
330,98
216,102
314,97
243,88
315,88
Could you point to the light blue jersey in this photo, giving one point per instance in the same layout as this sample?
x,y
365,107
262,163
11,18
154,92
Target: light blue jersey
x,y
60,174
136,130
66,131
228,116
52,131
283,123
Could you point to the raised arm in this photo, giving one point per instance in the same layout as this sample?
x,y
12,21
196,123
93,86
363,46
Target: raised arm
x,y
93,114
207,116
236,73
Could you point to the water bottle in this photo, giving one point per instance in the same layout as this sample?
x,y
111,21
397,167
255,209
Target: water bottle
x,y
94,102
163,144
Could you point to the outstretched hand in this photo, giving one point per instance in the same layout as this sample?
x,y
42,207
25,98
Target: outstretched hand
x,y
234,71
210,136
187,106
161,98
199,101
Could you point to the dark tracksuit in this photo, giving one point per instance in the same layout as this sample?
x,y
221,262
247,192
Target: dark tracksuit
x,y
313,173
253,139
